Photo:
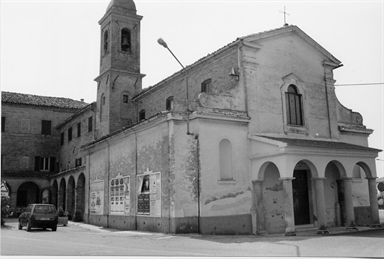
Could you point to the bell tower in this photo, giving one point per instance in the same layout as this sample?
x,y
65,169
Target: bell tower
x,y
120,78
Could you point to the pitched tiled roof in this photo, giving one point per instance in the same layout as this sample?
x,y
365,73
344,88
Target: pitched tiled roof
x,y
321,144
37,100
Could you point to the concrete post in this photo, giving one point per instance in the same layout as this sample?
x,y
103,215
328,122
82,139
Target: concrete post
x,y
373,200
289,215
257,186
320,203
350,214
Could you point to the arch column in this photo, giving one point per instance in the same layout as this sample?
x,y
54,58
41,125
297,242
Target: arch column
x,y
373,200
320,203
258,209
349,213
289,214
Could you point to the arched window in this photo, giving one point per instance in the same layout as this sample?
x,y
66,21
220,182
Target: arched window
x,y
142,115
102,103
125,98
169,103
206,86
225,154
294,107
106,42
125,40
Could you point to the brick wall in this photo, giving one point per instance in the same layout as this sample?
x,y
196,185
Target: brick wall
x,y
217,68
70,150
22,140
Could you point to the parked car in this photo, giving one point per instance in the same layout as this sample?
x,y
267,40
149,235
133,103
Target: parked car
x,y
39,216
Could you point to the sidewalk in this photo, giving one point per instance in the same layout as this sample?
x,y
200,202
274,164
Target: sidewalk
x,y
299,232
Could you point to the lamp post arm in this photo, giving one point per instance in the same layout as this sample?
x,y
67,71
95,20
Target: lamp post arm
x,y
175,57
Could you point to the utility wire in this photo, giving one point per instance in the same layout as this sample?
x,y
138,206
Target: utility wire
x,y
360,84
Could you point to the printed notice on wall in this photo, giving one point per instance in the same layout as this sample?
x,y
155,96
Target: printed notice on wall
x,y
97,197
119,195
149,194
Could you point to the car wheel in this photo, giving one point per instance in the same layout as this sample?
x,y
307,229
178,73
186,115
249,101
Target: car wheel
x,y
44,228
54,228
20,226
28,226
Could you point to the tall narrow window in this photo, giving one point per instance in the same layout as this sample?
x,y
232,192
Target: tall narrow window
x,y
142,115
125,98
70,134
169,103
206,86
2,124
90,124
225,154
125,40
294,109
45,127
106,42
79,129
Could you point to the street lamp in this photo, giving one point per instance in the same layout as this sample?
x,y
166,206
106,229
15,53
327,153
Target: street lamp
x,y
164,44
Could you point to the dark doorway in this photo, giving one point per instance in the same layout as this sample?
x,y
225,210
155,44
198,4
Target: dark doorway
x,y
301,197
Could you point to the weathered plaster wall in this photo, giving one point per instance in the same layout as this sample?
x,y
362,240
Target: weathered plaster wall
x,y
279,57
223,198
273,200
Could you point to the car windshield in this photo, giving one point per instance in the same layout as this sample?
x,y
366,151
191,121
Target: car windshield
x,y
44,209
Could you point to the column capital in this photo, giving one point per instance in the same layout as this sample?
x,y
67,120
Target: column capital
x,y
318,178
370,178
346,178
287,178
258,181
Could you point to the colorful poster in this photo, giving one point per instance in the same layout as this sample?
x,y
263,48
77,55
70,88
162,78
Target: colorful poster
x,y
119,193
149,194
97,197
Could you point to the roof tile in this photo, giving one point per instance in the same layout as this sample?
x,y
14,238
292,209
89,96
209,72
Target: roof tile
x,y
37,100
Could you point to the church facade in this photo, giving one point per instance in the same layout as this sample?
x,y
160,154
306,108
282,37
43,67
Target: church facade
x,y
250,139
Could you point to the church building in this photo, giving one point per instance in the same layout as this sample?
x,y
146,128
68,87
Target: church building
x,y
250,139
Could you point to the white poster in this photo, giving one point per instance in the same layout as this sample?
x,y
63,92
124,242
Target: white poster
x,y
119,194
97,197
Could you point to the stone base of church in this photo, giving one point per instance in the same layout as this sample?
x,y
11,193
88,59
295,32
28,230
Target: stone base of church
x,y
227,225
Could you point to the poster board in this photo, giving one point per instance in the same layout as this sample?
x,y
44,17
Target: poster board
x,y
96,197
149,194
119,195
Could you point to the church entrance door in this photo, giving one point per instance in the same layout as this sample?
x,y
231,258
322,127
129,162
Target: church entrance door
x,y
301,197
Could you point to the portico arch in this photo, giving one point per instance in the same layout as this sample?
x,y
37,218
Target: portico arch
x,y
71,197
62,194
54,193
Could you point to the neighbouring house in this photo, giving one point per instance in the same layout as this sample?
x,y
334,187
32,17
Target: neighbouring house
x,y
261,145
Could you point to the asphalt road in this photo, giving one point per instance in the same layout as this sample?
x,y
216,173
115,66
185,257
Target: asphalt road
x,y
86,240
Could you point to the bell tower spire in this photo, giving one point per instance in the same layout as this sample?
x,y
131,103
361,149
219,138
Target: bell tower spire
x,y
120,78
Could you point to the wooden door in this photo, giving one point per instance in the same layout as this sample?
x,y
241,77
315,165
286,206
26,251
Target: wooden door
x,y
301,197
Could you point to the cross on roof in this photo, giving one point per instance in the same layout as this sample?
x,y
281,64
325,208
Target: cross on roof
x,y
285,14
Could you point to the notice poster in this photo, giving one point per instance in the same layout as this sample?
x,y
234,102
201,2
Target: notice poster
x,y
149,194
97,197
119,193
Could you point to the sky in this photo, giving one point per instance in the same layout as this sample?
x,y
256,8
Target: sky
x,y
52,47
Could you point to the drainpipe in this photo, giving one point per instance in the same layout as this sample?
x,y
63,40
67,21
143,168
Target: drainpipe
x,y
108,168
136,158
198,182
